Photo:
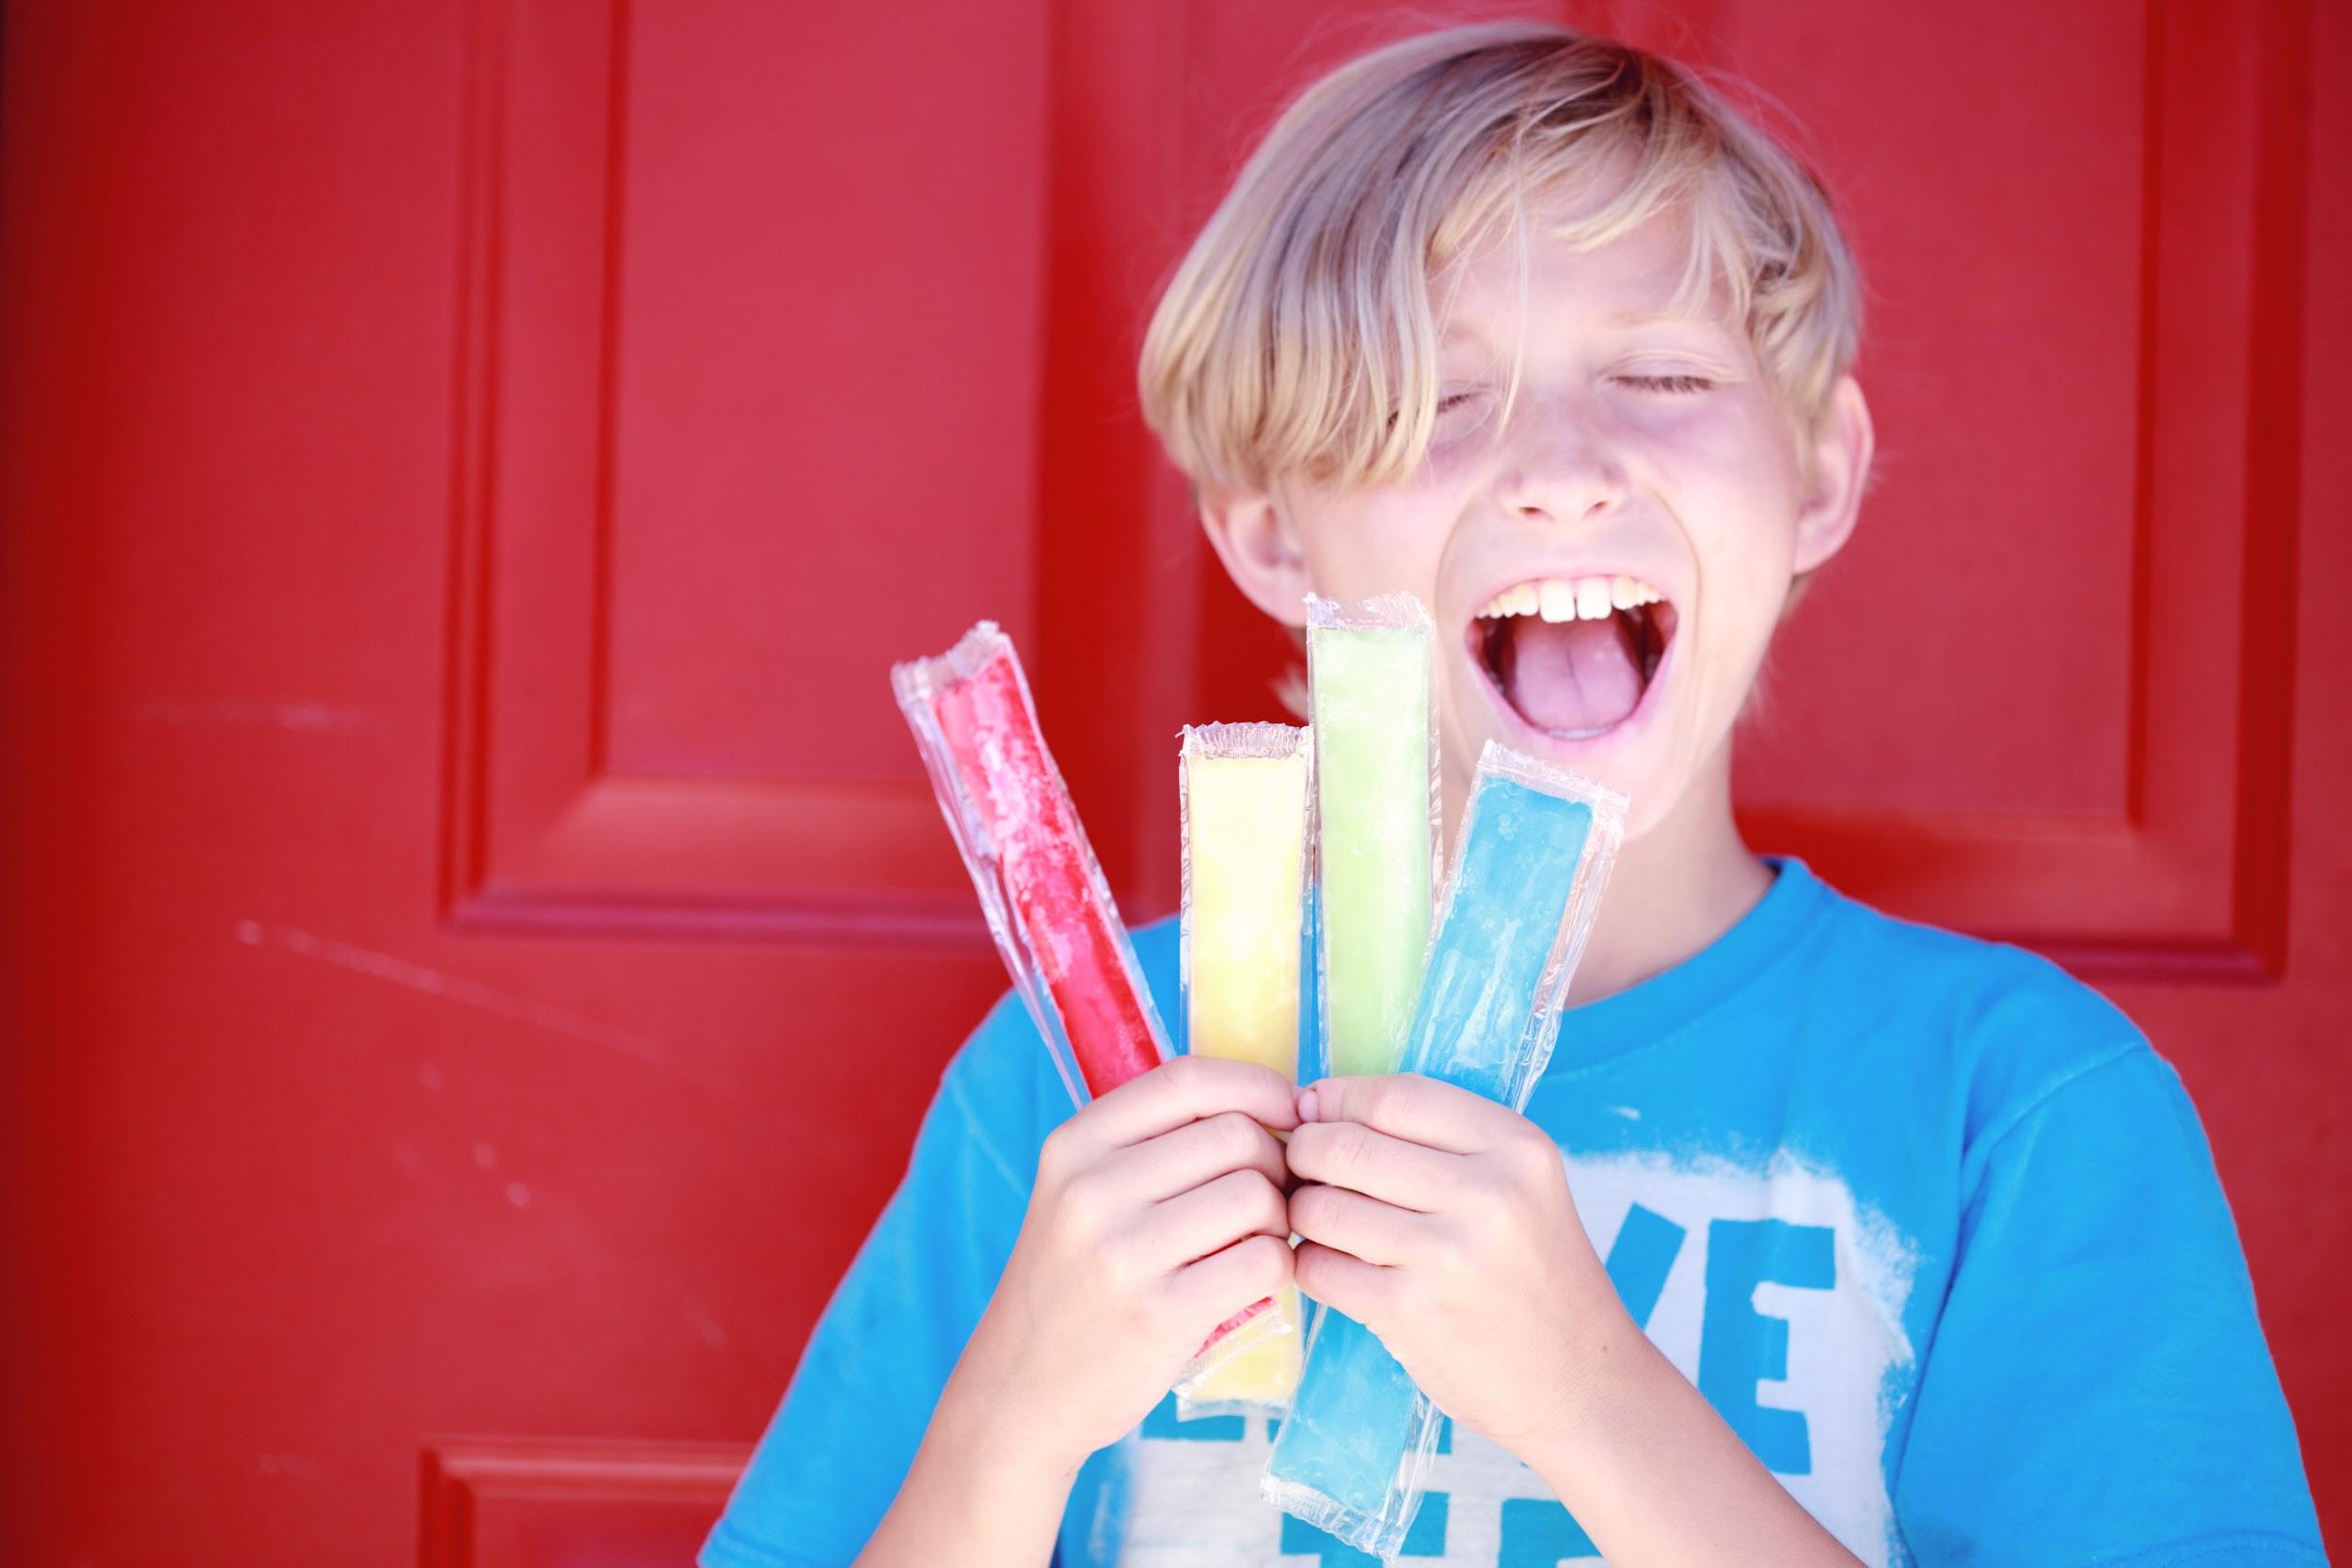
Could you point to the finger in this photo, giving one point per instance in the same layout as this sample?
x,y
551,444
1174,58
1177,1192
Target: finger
x,y
1196,1153
1350,1154
1240,1275
1213,1216
1419,1110
1362,1226
1188,1090
1345,1283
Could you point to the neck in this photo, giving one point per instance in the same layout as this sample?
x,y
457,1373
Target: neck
x,y
1679,886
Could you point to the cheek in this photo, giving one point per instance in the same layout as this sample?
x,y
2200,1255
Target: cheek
x,y
1737,515
1743,574
1736,497
1364,545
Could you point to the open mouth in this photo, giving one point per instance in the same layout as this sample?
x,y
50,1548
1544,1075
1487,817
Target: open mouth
x,y
1573,657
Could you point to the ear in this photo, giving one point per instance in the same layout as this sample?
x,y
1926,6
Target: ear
x,y
1261,553
1840,449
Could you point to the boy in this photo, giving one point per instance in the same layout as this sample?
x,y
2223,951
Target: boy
x,y
1826,1237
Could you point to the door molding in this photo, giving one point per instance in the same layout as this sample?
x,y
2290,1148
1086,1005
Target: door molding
x,y
485,1501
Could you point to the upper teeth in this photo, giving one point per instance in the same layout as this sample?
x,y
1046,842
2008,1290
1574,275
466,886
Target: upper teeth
x,y
1571,598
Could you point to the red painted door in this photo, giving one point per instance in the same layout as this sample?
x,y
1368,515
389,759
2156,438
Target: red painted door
x,y
477,941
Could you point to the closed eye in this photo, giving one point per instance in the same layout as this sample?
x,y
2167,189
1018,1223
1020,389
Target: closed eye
x,y
1446,403
1673,384
1457,415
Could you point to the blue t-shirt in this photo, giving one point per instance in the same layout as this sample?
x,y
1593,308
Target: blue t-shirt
x,y
1927,1222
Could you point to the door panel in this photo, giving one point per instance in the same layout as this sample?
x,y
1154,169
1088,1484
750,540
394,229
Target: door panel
x,y
718,454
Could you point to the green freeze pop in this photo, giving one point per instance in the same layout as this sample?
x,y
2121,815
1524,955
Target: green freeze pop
x,y
1369,674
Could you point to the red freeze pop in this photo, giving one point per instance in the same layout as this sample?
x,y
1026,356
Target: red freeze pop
x,y
1024,814
1012,817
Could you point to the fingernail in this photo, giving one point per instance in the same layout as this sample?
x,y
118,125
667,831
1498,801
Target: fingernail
x,y
1307,1103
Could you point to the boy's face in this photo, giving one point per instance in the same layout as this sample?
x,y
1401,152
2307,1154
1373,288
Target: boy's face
x,y
1646,456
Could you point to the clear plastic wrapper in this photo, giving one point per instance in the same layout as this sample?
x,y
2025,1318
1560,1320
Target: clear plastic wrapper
x,y
1041,888
1533,856
1477,1023
1371,673
1246,794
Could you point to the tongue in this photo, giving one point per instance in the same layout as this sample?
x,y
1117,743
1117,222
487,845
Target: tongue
x,y
1571,676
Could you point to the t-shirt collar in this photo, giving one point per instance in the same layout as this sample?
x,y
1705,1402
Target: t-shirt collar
x,y
1668,1002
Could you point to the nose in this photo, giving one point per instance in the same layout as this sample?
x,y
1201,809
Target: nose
x,y
1561,468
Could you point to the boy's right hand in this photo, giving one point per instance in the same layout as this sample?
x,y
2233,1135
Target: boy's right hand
x,y
1158,1214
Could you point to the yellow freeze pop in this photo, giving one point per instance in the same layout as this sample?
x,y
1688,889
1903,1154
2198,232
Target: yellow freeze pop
x,y
1246,791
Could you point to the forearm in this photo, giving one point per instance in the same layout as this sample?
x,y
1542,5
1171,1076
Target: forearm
x,y
1659,1480
980,1491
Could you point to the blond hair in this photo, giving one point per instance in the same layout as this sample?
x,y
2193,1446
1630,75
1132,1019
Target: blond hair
x,y
1298,337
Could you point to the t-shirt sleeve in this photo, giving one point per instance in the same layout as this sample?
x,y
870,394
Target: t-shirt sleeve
x,y
2098,1389
838,1448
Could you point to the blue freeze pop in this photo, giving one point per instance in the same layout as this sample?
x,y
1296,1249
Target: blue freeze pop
x,y
1352,1451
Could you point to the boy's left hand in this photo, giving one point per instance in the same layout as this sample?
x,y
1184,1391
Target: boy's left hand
x,y
1442,1221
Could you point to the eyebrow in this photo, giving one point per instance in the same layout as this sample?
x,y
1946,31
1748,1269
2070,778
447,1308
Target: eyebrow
x,y
1456,332
1667,318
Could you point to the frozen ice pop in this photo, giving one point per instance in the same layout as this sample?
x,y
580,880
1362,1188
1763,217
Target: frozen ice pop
x,y
1534,851
1244,804
1041,888
1369,673
1245,832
